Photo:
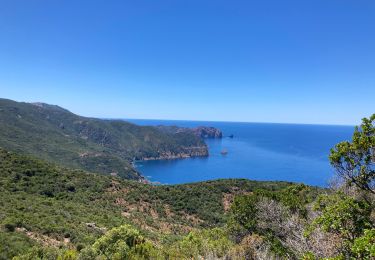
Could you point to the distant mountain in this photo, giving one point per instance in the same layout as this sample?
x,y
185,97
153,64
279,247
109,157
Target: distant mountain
x,y
102,146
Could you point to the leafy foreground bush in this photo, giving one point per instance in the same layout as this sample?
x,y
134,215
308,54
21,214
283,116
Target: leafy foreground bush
x,y
123,242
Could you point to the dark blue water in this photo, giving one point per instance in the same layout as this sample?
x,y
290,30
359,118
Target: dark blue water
x,y
258,151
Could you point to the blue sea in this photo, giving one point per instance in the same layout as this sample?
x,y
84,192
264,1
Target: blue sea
x,y
258,151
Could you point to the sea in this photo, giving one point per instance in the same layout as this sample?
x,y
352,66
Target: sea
x,y
257,151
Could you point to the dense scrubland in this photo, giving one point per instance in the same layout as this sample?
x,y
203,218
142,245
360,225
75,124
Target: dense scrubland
x,y
48,211
44,204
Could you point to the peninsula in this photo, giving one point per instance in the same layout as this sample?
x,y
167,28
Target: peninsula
x,y
109,147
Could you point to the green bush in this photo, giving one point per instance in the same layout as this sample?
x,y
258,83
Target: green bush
x,y
124,242
364,246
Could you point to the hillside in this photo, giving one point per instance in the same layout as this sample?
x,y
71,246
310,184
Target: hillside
x,y
102,146
46,205
51,212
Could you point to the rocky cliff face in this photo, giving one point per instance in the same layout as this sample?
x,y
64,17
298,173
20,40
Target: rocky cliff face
x,y
200,150
200,131
207,132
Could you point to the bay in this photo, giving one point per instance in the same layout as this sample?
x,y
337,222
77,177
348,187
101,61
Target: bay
x,y
258,151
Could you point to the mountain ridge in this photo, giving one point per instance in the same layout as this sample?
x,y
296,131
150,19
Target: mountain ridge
x,y
104,146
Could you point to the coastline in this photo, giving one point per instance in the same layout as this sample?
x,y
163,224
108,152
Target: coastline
x,y
193,152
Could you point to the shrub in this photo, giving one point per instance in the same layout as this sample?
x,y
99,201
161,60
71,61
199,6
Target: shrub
x,y
123,242
364,246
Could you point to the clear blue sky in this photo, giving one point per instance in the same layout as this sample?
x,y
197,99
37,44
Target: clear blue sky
x,y
310,61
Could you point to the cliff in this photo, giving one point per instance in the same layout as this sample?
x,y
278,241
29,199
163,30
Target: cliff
x,y
200,131
207,132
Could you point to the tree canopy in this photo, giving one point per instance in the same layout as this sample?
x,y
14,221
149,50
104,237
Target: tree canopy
x,y
355,161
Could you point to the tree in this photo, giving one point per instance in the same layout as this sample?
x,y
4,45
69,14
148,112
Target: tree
x,y
243,217
343,216
355,161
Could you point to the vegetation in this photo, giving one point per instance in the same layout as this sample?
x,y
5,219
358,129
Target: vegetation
x,y
56,135
49,212
46,205
355,161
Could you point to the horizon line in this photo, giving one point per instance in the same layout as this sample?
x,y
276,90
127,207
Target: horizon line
x,y
189,120
225,121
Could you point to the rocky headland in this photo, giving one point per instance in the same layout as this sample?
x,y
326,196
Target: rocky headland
x,y
96,145
200,131
200,150
207,132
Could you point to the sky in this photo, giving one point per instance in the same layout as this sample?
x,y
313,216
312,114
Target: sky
x,y
310,61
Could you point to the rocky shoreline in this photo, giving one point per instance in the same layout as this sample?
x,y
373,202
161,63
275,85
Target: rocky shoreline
x,y
200,151
188,152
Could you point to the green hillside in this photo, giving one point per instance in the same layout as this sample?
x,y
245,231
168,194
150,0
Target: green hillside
x,y
43,204
103,146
